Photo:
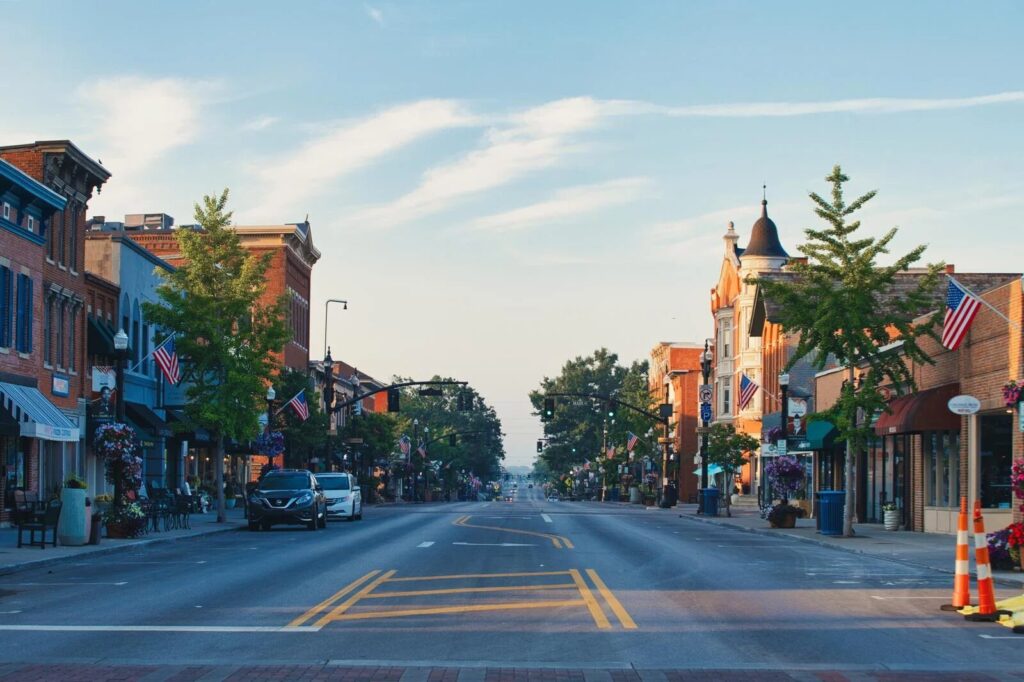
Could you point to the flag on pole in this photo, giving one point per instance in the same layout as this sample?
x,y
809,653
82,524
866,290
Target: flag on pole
x,y
298,403
748,388
631,440
961,308
405,445
611,452
167,360
422,449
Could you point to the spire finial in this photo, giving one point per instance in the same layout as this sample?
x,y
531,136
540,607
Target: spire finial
x,y
764,193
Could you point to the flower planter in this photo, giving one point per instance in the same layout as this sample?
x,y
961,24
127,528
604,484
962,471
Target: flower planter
x,y
785,521
72,526
891,518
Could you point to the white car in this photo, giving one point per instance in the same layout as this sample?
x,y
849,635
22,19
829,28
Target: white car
x,y
344,499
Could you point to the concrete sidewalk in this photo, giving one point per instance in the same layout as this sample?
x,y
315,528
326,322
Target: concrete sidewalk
x,y
929,550
13,559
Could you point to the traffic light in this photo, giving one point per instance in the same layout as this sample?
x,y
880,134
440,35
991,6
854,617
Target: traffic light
x,y
393,400
540,446
609,410
549,408
453,440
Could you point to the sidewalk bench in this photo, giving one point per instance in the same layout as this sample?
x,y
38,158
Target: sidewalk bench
x,y
40,524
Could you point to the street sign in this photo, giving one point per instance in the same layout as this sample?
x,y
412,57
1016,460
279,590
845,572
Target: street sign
x,y
705,412
781,448
964,404
704,392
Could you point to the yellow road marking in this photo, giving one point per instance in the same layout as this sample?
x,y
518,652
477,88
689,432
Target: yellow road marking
x,y
463,590
459,609
556,540
588,598
474,575
330,600
613,602
348,603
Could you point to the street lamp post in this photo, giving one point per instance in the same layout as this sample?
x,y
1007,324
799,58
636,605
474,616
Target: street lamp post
x,y
121,348
784,410
705,371
408,466
271,394
328,403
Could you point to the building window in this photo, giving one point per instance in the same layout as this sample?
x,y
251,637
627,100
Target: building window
x,y
73,234
726,398
72,319
61,304
6,306
31,224
48,332
7,211
995,459
725,333
942,468
23,327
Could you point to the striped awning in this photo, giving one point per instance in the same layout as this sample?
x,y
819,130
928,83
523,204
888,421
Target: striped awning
x,y
37,417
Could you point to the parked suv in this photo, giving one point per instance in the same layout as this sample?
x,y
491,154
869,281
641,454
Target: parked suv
x,y
344,499
288,496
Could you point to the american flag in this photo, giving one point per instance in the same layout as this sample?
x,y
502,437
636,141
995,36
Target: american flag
x,y
298,403
961,308
748,388
404,444
631,440
611,452
167,359
422,449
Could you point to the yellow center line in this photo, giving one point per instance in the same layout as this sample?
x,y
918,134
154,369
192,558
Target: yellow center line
x,y
330,600
464,590
613,602
474,608
348,603
556,540
474,575
588,598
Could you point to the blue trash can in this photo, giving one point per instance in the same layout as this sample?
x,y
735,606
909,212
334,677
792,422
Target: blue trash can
x,y
710,501
831,511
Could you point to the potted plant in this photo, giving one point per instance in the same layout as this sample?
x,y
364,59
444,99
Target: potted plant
x,y
73,526
891,516
125,521
230,493
1011,392
784,515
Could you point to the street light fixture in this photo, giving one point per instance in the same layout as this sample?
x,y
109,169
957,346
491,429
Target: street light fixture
x,y
121,348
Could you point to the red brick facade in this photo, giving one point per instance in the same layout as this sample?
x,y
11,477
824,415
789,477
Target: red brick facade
x,y
681,364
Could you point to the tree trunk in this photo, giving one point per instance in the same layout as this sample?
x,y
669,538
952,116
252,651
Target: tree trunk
x,y
848,478
218,478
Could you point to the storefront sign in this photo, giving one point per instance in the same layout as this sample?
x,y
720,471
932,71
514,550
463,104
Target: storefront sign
x,y
964,404
61,386
103,377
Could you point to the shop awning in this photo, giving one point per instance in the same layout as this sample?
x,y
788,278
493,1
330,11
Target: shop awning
x,y
820,436
101,338
146,419
922,411
37,417
197,435
713,469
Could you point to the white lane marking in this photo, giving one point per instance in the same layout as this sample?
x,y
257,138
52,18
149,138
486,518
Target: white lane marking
x,y
998,637
123,582
156,628
875,596
9,612
485,505
492,544
547,519
426,544
132,562
846,582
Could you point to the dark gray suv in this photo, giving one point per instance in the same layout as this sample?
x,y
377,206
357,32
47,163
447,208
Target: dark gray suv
x,y
288,496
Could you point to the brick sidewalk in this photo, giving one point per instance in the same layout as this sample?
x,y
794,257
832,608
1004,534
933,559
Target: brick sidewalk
x,y
328,672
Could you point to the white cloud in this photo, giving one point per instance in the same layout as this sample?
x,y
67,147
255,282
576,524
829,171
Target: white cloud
x,y
566,203
259,123
874,105
526,142
344,148
375,14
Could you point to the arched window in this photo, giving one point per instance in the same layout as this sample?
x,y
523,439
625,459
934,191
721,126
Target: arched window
x,y
135,334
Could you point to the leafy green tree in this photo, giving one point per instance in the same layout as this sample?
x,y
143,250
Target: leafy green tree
x,y
727,448
378,433
841,306
303,439
227,339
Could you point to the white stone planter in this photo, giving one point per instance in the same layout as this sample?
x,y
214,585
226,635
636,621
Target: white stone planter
x,y
891,519
72,527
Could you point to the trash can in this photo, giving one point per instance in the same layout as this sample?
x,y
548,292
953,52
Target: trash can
x,y
710,501
831,511
97,524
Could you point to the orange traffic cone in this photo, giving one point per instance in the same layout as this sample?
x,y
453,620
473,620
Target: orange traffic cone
x,y
962,573
987,611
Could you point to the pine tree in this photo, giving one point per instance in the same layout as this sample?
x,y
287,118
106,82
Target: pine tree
x,y
226,337
843,307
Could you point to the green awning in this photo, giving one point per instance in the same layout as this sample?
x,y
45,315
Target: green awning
x,y
100,339
820,436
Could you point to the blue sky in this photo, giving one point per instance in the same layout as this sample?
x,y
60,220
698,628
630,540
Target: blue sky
x,y
499,186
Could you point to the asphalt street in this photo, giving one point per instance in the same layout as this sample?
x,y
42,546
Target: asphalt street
x,y
527,583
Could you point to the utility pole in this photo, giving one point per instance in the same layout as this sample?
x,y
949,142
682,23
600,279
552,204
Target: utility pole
x,y
705,371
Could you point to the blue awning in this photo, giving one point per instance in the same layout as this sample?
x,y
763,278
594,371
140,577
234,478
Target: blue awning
x,y
713,469
37,417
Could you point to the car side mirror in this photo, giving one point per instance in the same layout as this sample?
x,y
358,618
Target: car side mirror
x,y
319,488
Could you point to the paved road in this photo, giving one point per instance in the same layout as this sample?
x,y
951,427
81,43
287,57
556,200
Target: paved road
x,y
500,585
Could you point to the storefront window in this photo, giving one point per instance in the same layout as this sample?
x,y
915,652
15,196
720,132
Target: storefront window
x,y
995,459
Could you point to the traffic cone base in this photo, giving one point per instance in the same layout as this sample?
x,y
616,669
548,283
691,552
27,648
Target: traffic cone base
x,y
986,611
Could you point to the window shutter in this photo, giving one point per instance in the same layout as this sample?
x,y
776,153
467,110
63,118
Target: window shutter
x,y
5,307
28,314
20,319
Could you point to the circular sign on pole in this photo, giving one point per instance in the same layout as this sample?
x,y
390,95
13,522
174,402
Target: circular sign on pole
x,y
964,404
705,393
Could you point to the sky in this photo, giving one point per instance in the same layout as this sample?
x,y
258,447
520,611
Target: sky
x,y
497,187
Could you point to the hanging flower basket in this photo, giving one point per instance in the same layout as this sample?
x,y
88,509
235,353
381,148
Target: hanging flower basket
x,y
270,443
774,435
785,475
1017,480
1011,393
117,443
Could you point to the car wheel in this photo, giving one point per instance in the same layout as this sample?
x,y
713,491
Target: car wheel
x,y
359,516
266,525
323,519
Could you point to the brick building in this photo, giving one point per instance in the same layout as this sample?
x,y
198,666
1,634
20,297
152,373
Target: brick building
x,y
674,378
293,256
59,347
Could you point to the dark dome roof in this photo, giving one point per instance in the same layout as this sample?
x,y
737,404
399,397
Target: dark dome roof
x,y
764,237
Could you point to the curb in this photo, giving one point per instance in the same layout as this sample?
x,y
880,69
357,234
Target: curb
x,y
10,569
849,550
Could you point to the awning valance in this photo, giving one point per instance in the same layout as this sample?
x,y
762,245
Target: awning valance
x,y
922,411
197,434
37,417
820,435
